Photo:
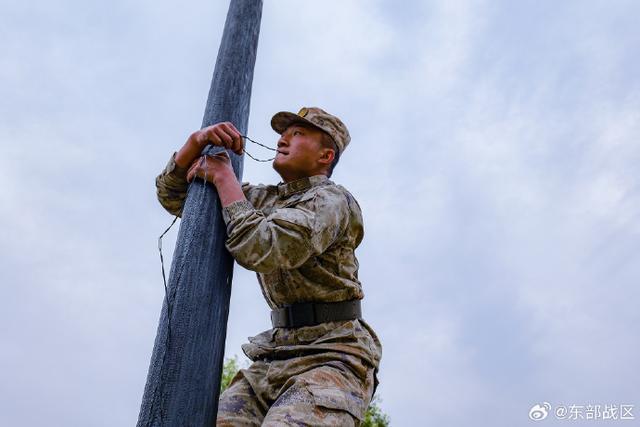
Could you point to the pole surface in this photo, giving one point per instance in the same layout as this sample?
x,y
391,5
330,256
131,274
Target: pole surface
x,y
183,382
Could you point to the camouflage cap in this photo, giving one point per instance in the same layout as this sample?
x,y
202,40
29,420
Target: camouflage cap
x,y
317,118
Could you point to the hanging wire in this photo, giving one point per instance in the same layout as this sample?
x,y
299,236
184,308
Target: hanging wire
x,y
260,144
164,279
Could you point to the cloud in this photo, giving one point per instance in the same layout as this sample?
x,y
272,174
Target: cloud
x,y
494,155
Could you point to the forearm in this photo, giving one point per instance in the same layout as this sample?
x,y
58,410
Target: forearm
x,y
229,188
189,151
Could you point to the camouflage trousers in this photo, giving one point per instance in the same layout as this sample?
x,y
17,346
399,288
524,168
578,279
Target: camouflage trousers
x,y
324,394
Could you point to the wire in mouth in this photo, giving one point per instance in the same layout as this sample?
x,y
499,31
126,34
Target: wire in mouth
x,y
262,145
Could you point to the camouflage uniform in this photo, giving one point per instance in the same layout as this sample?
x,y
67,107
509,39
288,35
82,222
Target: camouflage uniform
x,y
299,237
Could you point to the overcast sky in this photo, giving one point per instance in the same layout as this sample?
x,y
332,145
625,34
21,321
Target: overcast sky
x,y
495,153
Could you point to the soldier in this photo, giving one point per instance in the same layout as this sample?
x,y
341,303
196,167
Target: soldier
x,y
318,364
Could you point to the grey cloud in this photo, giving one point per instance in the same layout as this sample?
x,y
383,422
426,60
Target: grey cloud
x,y
494,154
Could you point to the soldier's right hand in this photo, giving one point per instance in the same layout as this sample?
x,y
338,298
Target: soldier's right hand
x,y
222,134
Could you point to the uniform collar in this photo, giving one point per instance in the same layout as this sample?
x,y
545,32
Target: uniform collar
x,y
287,188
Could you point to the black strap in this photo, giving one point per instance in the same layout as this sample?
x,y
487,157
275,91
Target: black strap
x,y
314,313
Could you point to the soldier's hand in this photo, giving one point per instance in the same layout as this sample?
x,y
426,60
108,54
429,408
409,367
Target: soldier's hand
x,y
210,167
222,134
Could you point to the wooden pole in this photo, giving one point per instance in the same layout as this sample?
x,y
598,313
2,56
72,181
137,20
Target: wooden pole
x,y
183,382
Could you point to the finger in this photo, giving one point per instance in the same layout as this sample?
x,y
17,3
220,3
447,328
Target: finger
x,y
231,130
221,156
203,138
196,162
226,138
232,126
205,166
212,137
238,145
191,173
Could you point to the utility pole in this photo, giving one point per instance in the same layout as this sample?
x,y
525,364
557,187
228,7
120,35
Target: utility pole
x,y
183,382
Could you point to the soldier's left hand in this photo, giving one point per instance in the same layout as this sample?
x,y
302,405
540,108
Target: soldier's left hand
x,y
210,167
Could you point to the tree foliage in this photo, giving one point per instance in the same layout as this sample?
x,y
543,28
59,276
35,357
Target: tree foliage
x,y
374,417
229,370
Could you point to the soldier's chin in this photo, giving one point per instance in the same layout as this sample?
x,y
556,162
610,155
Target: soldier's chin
x,y
278,165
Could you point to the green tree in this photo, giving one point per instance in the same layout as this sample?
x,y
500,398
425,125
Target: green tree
x,y
374,417
229,370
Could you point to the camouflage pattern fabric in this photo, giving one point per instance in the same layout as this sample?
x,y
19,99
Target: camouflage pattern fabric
x,y
171,187
316,117
299,237
306,392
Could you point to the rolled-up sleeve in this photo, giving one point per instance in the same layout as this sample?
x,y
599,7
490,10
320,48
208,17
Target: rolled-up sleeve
x,y
172,187
287,237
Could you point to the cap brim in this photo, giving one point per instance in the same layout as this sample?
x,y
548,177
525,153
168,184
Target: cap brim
x,y
282,120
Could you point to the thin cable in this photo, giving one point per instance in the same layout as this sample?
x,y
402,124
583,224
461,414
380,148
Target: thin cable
x,y
260,144
164,279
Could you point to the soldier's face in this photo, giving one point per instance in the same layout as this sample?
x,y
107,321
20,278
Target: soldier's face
x,y
299,149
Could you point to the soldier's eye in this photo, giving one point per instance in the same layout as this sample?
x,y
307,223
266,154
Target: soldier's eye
x,y
297,132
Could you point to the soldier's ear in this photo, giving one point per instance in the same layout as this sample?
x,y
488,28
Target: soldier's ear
x,y
327,156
